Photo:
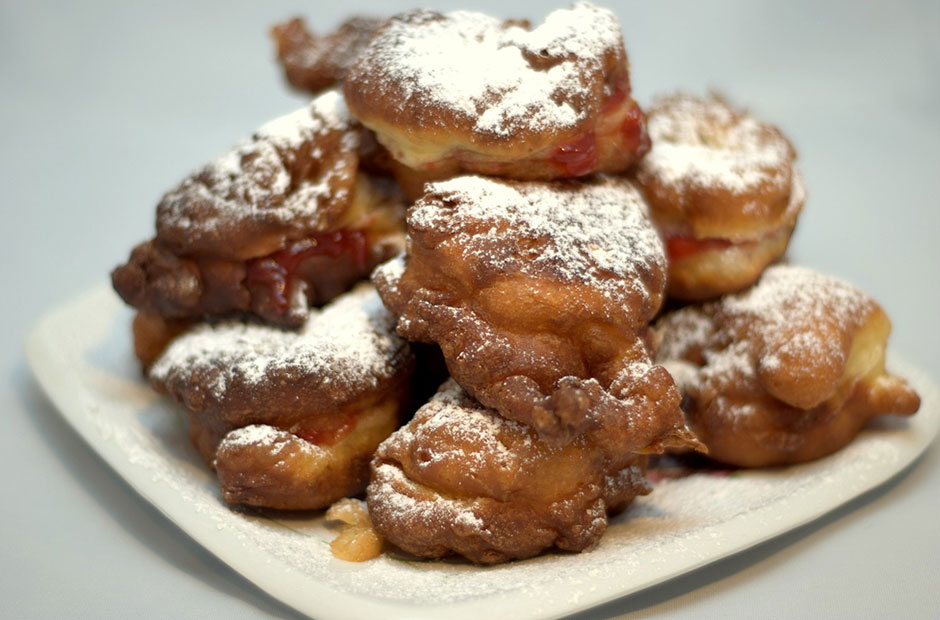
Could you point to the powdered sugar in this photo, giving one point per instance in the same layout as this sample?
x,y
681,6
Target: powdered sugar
x,y
705,143
779,318
390,273
257,180
409,509
271,439
352,340
454,412
481,69
787,294
596,234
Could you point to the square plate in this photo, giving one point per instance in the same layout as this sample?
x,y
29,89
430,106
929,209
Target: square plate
x,y
82,357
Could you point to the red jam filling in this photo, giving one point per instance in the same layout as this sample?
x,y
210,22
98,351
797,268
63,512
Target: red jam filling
x,y
328,434
579,157
618,93
633,131
680,247
276,271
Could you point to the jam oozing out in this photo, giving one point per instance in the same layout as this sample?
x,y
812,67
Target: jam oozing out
x,y
633,131
276,271
330,432
579,157
680,247
619,91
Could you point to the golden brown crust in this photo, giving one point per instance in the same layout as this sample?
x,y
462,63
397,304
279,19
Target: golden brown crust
x,y
536,315
720,269
151,334
278,224
786,372
268,467
463,91
461,479
312,62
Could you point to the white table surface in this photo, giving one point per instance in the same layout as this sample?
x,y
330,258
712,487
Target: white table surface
x,y
105,105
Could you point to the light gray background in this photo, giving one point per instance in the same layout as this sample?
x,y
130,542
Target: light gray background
x,y
104,105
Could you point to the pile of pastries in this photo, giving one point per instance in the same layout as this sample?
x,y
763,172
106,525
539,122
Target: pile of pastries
x,y
474,280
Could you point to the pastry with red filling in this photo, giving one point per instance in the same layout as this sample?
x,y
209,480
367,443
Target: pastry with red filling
x,y
723,190
289,419
284,221
785,372
461,479
539,294
465,92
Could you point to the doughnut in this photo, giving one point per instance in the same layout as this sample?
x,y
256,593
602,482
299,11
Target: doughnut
x,y
290,419
722,189
785,372
283,221
462,91
539,294
313,63
461,479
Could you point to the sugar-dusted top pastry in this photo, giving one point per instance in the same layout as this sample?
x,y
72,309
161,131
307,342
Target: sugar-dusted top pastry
x,y
539,295
446,92
785,372
283,220
723,189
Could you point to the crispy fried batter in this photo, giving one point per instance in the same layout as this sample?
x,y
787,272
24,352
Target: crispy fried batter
x,y
316,402
152,333
313,63
538,295
786,372
723,190
463,91
261,465
283,221
459,478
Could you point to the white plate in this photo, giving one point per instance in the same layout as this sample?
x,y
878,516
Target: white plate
x,y
81,355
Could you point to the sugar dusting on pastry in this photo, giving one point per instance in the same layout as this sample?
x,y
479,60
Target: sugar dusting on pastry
x,y
596,233
706,143
256,178
785,297
482,68
352,338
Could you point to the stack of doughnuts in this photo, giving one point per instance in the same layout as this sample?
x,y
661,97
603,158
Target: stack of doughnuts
x,y
524,223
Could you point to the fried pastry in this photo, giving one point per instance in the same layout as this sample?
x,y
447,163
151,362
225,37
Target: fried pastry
x,y
786,372
151,334
463,91
281,222
290,419
538,295
723,190
313,63
461,479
